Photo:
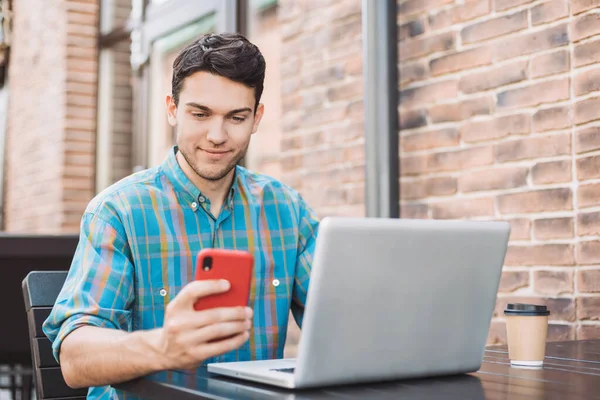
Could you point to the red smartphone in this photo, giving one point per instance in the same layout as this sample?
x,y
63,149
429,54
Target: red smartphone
x,y
234,266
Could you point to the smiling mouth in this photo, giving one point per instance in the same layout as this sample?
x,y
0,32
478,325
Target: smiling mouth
x,y
214,151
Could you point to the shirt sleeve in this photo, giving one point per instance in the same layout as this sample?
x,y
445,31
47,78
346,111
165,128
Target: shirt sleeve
x,y
308,228
98,290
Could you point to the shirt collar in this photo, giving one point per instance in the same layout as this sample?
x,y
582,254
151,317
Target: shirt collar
x,y
183,185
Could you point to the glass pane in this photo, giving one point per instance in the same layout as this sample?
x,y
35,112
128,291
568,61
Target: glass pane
x,y
115,115
114,15
265,148
161,136
122,126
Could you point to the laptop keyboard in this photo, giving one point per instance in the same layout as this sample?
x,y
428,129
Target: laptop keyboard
x,y
288,370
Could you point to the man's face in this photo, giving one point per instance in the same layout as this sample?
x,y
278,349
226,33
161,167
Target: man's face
x,y
214,122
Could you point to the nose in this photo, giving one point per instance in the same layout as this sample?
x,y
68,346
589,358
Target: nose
x,y
216,133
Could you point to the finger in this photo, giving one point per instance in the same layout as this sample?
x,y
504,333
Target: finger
x,y
216,315
222,346
216,332
191,292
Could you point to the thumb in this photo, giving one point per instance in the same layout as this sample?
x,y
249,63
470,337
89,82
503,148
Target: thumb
x,y
191,292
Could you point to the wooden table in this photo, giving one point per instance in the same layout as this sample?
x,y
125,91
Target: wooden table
x,y
571,371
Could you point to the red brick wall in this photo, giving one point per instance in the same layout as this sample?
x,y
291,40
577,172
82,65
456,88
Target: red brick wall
x,y
322,145
498,107
51,115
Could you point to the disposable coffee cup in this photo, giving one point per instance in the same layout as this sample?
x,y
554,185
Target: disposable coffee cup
x,y
526,331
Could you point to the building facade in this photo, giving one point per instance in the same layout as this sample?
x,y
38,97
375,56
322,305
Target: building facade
x,y
497,111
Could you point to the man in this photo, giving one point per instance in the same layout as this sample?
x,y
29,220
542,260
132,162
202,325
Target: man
x,y
126,308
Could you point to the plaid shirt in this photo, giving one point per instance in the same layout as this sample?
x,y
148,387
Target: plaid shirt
x,y
139,241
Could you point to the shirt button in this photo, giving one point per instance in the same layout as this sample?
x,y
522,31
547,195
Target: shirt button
x,y
163,292
194,205
275,282
201,199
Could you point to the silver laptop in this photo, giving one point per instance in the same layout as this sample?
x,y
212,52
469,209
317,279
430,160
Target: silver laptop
x,y
391,299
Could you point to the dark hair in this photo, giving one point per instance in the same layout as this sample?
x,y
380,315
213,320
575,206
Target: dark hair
x,y
230,55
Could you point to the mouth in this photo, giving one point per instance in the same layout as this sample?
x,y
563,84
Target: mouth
x,y
215,154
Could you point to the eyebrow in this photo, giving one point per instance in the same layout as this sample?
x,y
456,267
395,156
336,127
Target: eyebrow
x,y
232,112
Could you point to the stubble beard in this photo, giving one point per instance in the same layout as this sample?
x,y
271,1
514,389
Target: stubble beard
x,y
218,175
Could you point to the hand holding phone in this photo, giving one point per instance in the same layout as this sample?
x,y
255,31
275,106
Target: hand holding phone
x,y
234,266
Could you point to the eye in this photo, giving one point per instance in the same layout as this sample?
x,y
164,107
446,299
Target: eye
x,y
238,119
199,115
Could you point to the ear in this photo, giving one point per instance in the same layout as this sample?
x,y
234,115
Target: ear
x,y
260,110
171,110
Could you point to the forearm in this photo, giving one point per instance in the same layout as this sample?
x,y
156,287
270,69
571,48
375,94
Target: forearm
x,y
93,356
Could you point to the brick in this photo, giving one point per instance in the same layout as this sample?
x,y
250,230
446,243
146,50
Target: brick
x,y
586,332
588,308
323,116
412,73
536,94
588,280
545,254
500,5
411,29
461,111
420,47
446,137
554,118
549,11
588,224
536,201
345,91
579,6
513,280
446,161
561,309
414,211
587,53
553,283
588,195
459,13
533,42
553,228
589,252
495,27
534,147
520,229
587,139
551,172
495,128
494,77
496,333
414,165
585,26
410,7
550,64
418,96
441,186
461,61
587,110
460,160
471,9
410,190
493,179
463,208
323,75
587,81
588,168
411,119
560,332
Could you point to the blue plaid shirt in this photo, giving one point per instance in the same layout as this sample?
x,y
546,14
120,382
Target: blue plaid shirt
x,y
139,241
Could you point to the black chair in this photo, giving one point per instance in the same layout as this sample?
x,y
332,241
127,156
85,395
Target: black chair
x,y
40,290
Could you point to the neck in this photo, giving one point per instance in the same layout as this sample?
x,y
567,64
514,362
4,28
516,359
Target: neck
x,y
216,191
